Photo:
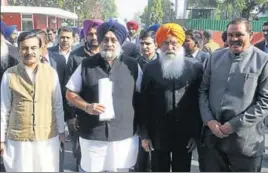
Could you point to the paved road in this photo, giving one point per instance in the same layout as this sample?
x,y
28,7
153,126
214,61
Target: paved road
x,y
69,163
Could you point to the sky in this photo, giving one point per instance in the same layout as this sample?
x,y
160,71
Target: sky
x,y
127,8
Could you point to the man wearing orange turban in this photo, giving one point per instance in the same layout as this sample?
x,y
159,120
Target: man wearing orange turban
x,y
170,29
170,111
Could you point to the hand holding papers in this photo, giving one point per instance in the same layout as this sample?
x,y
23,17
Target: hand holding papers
x,y
106,98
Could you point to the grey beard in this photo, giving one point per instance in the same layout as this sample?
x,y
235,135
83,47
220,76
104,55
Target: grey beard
x,y
172,65
109,56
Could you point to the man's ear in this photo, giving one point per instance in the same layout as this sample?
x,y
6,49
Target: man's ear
x,y
250,35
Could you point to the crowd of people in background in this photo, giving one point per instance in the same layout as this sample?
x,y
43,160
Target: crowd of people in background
x,y
133,99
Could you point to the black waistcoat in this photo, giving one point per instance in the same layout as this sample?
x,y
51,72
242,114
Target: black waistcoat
x,y
123,74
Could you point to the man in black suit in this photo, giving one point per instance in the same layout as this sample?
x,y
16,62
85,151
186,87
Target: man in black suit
x,y
193,44
170,110
66,41
263,45
58,62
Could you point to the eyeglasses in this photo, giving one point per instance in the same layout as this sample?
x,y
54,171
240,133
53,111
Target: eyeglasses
x,y
265,30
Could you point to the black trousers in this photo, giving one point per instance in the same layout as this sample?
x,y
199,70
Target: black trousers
x,y
143,163
215,160
178,160
2,167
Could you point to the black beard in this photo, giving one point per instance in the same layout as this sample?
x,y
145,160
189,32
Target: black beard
x,y
89,46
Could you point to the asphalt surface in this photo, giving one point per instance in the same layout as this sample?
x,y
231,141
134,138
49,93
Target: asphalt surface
x,y
70,162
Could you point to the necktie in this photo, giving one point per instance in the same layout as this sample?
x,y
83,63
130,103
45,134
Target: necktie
x,y
44,60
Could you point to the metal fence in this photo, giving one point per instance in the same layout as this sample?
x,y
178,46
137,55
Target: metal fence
x,y
216,25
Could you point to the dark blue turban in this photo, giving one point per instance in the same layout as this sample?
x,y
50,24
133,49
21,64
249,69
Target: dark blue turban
x,y
118,29
154,27
3,27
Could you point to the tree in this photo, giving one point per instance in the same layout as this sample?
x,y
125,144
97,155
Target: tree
x,y
154,14
241,8
168,9
109,9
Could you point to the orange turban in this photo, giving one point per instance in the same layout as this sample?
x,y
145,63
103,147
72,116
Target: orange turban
x,y
172,29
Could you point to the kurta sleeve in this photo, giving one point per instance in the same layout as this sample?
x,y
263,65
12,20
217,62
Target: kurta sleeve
x,y
6,101
57,105
75,82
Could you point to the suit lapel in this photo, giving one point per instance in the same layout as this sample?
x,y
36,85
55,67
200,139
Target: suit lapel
x,y
52,61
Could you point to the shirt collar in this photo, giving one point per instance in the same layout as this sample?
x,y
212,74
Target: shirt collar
x,y
154,57
193,55
65,54
196,53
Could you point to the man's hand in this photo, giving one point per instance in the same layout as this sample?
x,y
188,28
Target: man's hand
x,y
62,137
147,145
215,128
226,128
95,109
72,124
191,145
3,148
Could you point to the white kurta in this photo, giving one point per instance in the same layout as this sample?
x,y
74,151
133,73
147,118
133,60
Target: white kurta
x,y
28,156
98,156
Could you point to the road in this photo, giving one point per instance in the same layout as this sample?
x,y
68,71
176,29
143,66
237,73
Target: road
x,y
69,163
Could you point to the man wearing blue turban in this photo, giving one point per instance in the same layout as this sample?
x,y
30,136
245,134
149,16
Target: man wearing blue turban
x,y
11,35
106,129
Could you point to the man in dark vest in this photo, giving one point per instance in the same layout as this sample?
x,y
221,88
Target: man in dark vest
x,y
108,144
170,103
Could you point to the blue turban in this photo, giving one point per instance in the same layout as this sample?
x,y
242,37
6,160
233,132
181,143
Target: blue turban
x,y
118,29
9,30
154,27
3,27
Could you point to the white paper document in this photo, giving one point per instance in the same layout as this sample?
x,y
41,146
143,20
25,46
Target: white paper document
x,y
106,98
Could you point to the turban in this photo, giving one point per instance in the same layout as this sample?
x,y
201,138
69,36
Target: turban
x,y
118,29
9,30
132,24
119,20
153,27
3,27
76,30
82,35
87,24
172,29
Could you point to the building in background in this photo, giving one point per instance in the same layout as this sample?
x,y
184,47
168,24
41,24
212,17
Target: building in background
x,y
27,18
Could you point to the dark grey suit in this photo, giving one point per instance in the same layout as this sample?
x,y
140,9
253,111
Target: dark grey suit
x,y
235,90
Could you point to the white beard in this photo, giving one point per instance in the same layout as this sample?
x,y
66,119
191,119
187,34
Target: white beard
x,y
172,65
110,55
4,54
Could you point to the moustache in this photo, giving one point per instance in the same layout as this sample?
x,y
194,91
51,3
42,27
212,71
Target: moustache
x,y
29,56
170,53
236,43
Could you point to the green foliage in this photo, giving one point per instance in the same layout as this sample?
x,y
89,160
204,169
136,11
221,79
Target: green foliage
x,y
109,9
159,11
